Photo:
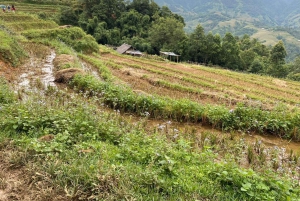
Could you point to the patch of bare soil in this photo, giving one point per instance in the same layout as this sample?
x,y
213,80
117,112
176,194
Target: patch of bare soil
x,y
20,182
8,72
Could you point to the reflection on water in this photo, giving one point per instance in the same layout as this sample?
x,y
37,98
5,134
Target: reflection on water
x,y
34,73
48,77
88,68
267,140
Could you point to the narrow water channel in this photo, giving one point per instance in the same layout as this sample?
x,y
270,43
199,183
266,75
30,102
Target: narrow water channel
x,y
38,71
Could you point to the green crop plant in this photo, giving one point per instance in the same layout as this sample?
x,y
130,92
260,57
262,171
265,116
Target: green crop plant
x,y
242,118
22,26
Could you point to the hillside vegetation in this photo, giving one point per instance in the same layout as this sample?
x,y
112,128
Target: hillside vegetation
x,y
91,138
259,19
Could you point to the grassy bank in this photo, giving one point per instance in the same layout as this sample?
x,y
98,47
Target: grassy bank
x,y
104,156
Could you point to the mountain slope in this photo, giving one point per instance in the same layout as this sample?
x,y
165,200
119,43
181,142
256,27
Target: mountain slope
x,y
257,18
276,13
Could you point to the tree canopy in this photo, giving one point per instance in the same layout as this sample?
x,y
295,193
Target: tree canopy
x,y
151,29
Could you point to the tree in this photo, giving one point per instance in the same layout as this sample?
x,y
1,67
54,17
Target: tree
x,y
294,69
247,58
166,33
277,61
256,66
133,23
144,7
101,34
278,53
68,16
212,49
197,44
230,52
245,43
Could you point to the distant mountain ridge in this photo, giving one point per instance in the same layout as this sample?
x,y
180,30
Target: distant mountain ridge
x,y
274,13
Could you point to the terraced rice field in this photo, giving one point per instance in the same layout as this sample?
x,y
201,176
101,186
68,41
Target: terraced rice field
x,y
91,132
33,8
200,83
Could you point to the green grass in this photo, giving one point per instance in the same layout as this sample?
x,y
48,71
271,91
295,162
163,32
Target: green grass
x,y
10,49
105,156
6,95
74,37
279,122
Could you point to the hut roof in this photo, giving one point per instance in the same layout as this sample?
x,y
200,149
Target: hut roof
x,y
123,48
134,52
169,53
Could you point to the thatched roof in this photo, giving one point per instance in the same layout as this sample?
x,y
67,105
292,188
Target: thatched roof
x,y
123,48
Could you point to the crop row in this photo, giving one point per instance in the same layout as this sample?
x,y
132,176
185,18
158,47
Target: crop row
x,y
259,81
254,92
104,71
22,26
163,82
17,18
277,122
247,78
243,78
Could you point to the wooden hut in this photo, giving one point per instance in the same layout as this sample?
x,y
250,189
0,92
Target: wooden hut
x,y
128,49
170,55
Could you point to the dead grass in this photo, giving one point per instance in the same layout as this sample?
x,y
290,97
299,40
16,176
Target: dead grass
x,y
280,83
65,75
227,87
61,61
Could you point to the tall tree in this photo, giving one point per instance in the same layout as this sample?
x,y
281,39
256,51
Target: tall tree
x,y
247,58
132,23
277,61
166,33
197,45
230,52
212,49
145,7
